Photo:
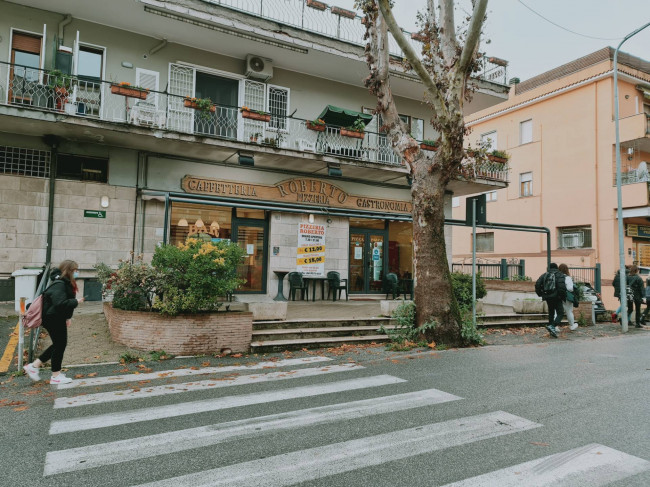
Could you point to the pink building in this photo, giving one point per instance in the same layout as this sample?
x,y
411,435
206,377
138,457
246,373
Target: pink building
x,y
559,130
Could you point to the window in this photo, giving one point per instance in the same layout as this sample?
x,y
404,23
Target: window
x,y
574,237
489,140
455,202
526,184
90,61
24,162
82,168
491,196
24,77
485,242
526,132
279,107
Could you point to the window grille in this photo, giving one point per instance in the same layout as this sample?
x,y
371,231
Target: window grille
x,y
279,107
24,162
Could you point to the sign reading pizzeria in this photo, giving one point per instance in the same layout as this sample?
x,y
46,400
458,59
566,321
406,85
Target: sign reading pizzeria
x,y
307,191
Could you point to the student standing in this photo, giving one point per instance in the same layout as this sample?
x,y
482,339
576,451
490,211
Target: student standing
x,y
568,303
59,302
636,285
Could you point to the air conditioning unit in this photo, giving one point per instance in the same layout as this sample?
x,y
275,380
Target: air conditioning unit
x,y
259,67
572,240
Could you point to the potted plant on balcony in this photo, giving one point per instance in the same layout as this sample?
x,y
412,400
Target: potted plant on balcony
x,y
255,114
60,83
498,156
429,144
272,141
125,89
255,136
202,104
356,130
316,125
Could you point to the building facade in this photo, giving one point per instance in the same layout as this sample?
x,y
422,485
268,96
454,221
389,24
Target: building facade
x,y
559,130
110,147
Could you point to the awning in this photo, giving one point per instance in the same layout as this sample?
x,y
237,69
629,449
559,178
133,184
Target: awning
x,y
340,117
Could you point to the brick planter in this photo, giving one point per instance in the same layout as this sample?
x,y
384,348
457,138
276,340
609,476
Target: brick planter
x,y
183,334
584,309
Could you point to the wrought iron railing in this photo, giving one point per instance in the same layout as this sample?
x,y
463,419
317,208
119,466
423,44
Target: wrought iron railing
x,y
505,269
631,175
340,24
102,100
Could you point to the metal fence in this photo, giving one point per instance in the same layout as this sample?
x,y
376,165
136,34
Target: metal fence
x,y
591,275
503,270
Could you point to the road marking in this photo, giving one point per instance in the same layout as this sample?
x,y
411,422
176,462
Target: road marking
x,y
182,409
114,452
10,349
147,392
316,463
593,465
168,374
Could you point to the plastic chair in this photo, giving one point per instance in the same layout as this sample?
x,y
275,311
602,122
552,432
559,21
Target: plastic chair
x,y
296,282
335,283
391,285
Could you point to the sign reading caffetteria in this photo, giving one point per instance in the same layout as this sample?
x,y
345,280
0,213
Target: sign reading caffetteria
x,y
307,191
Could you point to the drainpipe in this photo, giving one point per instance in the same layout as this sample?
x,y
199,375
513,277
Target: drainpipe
x,y
66,20
53,142
157,47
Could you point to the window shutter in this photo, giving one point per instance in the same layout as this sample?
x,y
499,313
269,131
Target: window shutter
x,y
149,80
27,43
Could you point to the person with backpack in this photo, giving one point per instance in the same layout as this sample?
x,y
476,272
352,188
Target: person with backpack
x,y
616,316
551,288
644,316
571,297
59,302
636,287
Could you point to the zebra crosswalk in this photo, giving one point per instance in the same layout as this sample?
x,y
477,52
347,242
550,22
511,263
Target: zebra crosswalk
x,y
592,464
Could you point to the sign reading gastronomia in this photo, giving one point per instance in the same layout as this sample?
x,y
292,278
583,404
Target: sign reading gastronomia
x,y
311,249
304,191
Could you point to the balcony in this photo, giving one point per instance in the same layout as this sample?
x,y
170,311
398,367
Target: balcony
x,y
111,107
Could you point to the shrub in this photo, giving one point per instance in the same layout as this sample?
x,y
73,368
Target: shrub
x,y
462,285
132,284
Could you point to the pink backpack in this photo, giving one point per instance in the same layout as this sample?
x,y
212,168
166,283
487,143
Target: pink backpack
x,y
33,318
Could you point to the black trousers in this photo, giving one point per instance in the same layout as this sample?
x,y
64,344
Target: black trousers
x,y
637,307
555,306
59,334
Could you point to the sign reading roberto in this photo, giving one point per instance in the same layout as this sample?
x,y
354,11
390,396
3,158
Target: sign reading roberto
x,y
305,191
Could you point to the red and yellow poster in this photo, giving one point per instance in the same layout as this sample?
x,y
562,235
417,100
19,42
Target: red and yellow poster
x,y
311,249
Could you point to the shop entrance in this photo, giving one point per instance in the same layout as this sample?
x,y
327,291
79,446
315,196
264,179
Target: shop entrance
x,y
367,262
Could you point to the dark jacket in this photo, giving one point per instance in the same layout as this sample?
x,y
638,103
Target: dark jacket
x,y
560,285
58,301
636,284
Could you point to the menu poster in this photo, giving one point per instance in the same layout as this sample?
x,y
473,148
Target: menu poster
x,y
311,249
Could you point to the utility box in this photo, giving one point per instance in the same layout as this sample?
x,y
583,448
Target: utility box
x,y
25,285
481,213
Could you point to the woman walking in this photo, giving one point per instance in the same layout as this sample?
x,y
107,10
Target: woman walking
x,y
568,303
59,303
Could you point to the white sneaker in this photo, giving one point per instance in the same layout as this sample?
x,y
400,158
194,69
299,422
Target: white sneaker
x,y
573,327
32,372
60,379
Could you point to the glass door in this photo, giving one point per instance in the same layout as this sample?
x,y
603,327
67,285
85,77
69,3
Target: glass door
x,y
367,263
250,235
224,93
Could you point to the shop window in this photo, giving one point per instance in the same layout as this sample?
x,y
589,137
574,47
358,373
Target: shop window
x,y
526,132
400,249
526,184
82,168
485,242
203,221
574,237
251,213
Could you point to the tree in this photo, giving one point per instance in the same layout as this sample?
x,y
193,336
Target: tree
x,y
447,62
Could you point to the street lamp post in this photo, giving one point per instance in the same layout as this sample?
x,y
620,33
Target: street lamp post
x,y
619,209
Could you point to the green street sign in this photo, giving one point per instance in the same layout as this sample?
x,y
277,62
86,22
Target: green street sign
x,y
94,213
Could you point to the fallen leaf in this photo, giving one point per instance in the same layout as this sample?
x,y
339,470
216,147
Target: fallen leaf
x,y
205,364
22,408
538,443
432,345
94,374
236,355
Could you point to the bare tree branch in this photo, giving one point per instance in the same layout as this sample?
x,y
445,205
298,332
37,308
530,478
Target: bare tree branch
x,y
448,42
435,95
473,36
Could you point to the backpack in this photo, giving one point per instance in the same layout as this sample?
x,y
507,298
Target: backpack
x,y
549,287
34,316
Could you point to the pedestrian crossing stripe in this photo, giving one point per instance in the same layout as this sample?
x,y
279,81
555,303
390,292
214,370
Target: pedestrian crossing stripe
x,y
593,465
167,374
195,407
111,453
147,392
315,463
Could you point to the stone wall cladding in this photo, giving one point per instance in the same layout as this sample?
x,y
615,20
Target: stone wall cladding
x,y
519,286
181,335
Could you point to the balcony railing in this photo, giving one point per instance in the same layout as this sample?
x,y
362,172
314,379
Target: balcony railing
x,y
94,100
631,175
340,24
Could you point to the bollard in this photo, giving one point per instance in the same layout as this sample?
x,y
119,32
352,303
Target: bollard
x,y
21,334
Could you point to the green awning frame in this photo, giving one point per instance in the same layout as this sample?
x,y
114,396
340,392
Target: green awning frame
x,y
341,117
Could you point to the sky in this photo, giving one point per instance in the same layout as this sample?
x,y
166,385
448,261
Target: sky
x,y
533,45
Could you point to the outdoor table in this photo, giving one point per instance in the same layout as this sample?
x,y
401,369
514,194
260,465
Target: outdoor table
x,y
280,295
314,280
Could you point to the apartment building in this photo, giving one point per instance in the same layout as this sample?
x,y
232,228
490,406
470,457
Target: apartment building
x,y
127,124
559,129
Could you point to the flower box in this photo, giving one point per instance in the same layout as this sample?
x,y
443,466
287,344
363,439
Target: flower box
x,y
496,158
316,4
349,14
130,92
316,127
191,104
262,117
428,147
352,133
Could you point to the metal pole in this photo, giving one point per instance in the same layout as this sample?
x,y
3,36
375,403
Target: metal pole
x,y
619,197
474,262
21,334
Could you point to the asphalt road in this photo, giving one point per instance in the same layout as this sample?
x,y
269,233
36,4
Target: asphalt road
x,y
461,414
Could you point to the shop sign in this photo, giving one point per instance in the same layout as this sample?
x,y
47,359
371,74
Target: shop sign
x,y
311,249
640,231
304,191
